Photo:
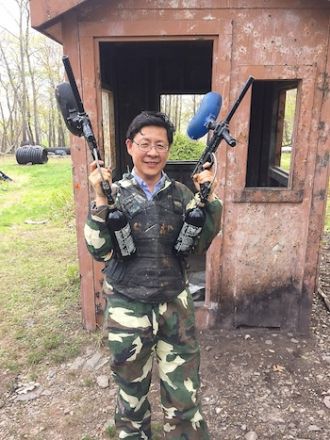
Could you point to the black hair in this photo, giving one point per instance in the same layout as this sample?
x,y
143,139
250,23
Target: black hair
x,y
147,118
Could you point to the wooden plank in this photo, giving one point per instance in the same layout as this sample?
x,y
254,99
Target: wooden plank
x,y
79,155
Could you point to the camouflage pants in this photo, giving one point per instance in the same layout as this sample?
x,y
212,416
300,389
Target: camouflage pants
x,y
137,332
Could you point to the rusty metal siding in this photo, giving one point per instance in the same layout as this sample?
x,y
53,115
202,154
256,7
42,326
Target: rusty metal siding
x,y
265,250
89,269
320,185
44,11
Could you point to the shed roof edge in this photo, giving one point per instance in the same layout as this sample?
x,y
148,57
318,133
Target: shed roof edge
x,y
46,12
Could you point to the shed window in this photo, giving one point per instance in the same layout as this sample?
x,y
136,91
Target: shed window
x,y
272,126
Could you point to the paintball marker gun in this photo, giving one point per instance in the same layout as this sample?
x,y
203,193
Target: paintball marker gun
x,y
4,176
78,123
77,120
204,120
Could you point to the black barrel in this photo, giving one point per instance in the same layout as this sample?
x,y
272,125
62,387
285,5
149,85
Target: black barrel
x,y
31,154
59,151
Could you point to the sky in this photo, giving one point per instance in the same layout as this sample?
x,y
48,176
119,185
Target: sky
x,y
8,12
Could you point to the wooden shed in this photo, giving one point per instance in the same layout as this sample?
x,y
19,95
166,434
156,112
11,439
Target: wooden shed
x,y
262,269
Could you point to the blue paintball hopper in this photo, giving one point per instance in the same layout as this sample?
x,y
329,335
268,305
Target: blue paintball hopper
x,y
205,116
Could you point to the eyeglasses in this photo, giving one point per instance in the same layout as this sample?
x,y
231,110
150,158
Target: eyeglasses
x,y
147,146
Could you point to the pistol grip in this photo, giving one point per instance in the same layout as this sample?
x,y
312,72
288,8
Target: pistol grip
x,y
204,190
106,188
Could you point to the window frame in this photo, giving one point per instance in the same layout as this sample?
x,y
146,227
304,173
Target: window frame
x,y
267,118
304,136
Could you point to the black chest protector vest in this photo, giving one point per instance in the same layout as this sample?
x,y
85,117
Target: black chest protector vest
x,y
154,274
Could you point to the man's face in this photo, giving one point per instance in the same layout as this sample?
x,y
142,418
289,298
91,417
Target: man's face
x,y
149,164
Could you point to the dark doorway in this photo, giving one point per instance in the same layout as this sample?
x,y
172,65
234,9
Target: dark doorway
x,y
138,73
134,75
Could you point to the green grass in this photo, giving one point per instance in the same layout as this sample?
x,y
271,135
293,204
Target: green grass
x,y
38,193
40,316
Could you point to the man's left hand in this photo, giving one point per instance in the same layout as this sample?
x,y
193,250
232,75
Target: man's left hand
x,y
205,176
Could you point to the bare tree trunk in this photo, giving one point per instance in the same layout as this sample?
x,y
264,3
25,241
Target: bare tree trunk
x,y
32,79
179,112
194,104
4,137
24,99
60,131
52,128
24,60
12,102
176,112
170,106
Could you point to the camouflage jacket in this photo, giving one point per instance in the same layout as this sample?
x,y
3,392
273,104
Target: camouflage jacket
x,y
154,274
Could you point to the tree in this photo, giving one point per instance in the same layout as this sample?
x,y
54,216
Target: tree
x,y
30,68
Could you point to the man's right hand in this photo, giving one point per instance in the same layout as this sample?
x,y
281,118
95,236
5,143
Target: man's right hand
x,y
95,180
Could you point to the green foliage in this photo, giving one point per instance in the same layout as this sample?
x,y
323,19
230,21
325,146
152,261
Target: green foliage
x,y
184,148
286,161
290,109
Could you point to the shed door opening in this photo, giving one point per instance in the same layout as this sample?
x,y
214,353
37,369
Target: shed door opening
x,y
134,77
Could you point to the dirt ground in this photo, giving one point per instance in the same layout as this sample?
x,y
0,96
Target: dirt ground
x,y
256,384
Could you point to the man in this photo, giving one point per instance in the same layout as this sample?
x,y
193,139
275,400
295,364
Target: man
x,y
150,310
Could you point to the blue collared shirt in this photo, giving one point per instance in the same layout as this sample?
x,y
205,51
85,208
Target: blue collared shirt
x,y
144,186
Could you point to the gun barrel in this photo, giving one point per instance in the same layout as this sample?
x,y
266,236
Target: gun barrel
x,y
197,167
239,99
73,84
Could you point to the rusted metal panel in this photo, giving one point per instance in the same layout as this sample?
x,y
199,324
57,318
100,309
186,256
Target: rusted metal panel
x,y
279,4
44,11
262,257
279,37
264,246
146,29
90,90
55,32
220,82
320,185
190,5
264,249
88,272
